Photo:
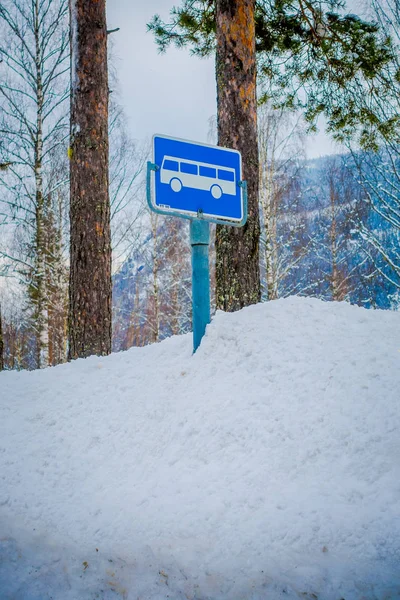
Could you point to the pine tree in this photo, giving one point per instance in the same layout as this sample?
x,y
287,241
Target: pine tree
x,y
90,237
237,260
305,46
310,55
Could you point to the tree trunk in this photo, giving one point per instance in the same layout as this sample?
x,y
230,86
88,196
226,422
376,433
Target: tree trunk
x,y
90,246
268,208
333,241
40,289
56,281
42,317
237,261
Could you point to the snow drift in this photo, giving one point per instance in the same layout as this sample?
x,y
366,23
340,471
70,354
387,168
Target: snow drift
x,y
264,466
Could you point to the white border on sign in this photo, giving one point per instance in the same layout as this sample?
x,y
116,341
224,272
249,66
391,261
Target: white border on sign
x,y
190,212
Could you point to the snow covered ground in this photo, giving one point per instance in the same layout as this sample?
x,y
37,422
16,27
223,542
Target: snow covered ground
x,y
266,466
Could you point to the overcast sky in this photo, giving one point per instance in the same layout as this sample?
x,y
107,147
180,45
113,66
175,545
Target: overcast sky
x,y
172,93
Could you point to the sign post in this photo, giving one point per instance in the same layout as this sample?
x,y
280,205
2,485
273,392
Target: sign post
x,y
200,241
201,183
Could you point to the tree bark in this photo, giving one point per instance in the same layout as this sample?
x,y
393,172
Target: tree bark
x,y
268,208
90,246
333,234
237,261
42,317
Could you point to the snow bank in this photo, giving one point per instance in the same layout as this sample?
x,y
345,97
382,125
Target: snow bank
x,y
265,466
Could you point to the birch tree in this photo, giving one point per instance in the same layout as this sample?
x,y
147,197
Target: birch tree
x,y
33,64
18,343
283,240
379,171
379,175
338,262
176,277
168,287
126,187
153,287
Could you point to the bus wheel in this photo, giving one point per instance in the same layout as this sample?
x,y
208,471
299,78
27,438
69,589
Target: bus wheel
x,y
176,184
216,192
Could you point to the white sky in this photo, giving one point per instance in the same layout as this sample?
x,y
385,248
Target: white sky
x,y
172,93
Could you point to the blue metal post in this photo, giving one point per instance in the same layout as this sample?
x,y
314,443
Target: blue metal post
x,y
200,240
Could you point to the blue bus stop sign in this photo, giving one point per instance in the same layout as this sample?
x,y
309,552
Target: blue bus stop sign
x,y
192,179
203,184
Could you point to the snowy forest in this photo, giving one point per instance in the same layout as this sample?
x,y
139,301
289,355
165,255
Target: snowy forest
x,y
327,227
199,299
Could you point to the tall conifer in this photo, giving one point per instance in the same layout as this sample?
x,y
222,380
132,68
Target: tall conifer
x,y
90,246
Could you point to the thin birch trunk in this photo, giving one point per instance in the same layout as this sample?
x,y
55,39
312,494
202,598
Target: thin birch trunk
x,y
42,317
333,243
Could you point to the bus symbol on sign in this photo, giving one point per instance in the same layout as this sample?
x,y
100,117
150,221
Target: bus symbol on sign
x,y
180,173
193,178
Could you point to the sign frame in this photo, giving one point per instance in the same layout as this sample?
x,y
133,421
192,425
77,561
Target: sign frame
x,y
154,170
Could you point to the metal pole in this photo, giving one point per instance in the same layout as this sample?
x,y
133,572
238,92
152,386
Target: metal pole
x,y
200,240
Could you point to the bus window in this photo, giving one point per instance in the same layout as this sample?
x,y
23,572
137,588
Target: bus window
x,y
208,172
226,175
188,168
171,165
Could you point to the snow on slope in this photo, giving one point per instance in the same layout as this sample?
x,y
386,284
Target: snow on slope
x,y
265,466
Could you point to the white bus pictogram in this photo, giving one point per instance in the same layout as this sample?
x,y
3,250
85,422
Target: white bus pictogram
x,y
179,173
